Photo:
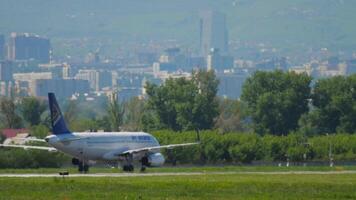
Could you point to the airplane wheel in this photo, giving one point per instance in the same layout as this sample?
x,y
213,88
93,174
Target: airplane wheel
x,y
80,167
131,168
125,168
128,168
144,161
86,168
83,167
143,168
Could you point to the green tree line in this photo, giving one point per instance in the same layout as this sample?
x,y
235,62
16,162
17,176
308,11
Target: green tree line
x,y
229,148
277,103
280,115
238,148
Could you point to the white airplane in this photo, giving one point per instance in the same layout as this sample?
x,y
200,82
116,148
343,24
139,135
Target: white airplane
x,y
124,147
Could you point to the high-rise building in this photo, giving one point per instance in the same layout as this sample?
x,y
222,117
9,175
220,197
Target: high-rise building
x,y
6,71
213,32
217,62
28,46
2,47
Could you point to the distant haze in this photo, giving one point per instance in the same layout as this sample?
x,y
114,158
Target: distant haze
x,y
325,23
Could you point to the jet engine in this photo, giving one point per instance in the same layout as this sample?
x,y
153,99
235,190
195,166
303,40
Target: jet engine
x,y
155,160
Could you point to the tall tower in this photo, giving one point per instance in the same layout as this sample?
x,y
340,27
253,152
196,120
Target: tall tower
x,y
213,32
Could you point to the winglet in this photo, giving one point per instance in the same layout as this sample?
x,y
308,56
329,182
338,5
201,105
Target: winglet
x,y
57,120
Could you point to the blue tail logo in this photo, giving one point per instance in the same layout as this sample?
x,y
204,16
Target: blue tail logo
x,y
58,124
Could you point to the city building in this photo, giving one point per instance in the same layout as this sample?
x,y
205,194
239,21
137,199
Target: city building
x,y
129,85
26,77
272,64
6,80
59,70
213,32
92,76
63,88
231,84
28,47
23,80
174,60
218,62
6,71
7,88
97,79
351,67
2,47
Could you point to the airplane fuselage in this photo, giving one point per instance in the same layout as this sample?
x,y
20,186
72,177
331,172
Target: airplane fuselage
x,y
124,147
100,145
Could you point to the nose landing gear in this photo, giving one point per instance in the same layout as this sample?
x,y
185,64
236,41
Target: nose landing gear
x,y
82,166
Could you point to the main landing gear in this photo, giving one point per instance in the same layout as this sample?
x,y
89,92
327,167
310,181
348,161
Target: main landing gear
x,y
128,168
144,163
127,165
82,166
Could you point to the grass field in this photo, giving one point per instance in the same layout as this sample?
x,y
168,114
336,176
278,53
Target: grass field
x,y
233,186
186,169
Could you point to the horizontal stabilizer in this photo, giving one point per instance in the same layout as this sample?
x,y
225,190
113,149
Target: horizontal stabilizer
x,y
51,149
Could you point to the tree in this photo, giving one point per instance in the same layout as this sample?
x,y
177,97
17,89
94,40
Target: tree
x,y
206,107
276,100
39,131
71,111
103,123
134,110
32,110
334,101
115,112
9,113
164,99
81,125
230,117
185,104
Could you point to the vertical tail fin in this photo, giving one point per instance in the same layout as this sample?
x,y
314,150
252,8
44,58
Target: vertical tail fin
x,y
58,124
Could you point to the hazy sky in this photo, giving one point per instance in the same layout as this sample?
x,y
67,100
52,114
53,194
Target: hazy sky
x,y
319,22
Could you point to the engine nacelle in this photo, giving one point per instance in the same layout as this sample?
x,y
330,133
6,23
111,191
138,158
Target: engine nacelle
x,y
155,160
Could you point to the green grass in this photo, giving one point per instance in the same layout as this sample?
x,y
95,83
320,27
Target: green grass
x,y
238,186
187,169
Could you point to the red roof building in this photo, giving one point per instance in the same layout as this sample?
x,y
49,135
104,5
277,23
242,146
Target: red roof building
x,y
10,133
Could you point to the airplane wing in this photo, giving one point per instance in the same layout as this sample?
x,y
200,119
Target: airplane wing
x,y
51,149
170,146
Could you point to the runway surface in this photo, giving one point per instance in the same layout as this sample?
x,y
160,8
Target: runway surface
x,y
172,174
